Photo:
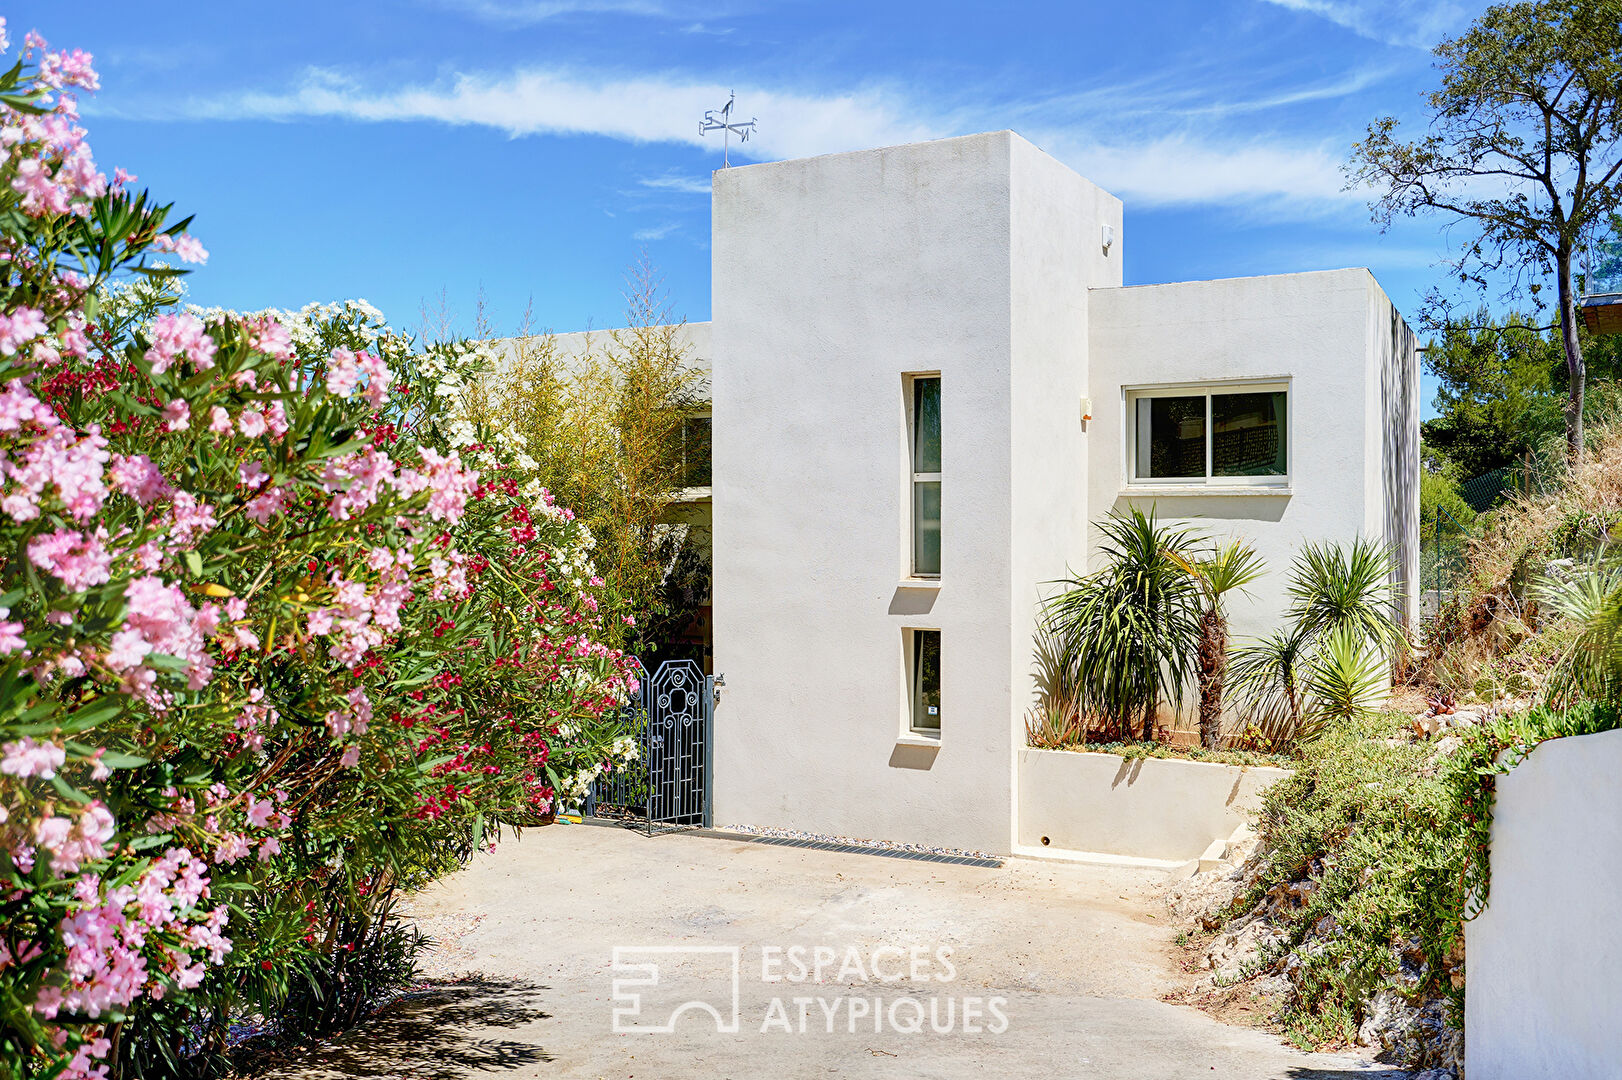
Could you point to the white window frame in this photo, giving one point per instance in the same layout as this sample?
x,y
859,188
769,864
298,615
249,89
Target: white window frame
x,y
909,650
1133,394
914,477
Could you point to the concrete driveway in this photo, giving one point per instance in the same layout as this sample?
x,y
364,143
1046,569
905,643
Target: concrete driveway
x,y
1033,969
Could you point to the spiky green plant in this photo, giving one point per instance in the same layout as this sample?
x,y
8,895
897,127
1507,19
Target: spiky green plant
x,y
1332,661
1054,720
1336,585
1227,568
1344,677
1591,598
1129,631
1264,677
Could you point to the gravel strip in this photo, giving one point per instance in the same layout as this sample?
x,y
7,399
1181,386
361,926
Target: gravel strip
x,y
878,845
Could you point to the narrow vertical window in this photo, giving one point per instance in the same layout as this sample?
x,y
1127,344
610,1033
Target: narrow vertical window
x,y
926,681
926,476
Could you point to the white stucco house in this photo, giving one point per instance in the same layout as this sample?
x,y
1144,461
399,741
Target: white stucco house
x,y
926,380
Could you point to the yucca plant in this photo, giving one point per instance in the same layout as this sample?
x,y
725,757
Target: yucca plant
x,y
1129,631
1346,585
1264,675
1591,598
1228,568
1332,661
1344,677
1055,720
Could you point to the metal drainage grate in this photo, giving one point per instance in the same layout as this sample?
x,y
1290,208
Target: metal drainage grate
x,y
854,849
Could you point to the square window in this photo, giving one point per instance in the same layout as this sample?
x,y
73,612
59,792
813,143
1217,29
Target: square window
x,y
1247,434
1210,434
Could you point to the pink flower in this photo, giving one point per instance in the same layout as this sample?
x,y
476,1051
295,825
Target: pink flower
x,y
177,415
269,848
270,337
78,560
252,423
11,639
190,250
260,812
177,336
25,758
138,478
377,379
21,326
319,622
343,373
219,421
266,506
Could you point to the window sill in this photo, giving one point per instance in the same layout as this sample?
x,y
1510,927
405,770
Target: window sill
x,y
931,741
919,583
1278,491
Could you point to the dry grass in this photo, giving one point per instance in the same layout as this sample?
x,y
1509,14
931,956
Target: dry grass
x,y
1491,639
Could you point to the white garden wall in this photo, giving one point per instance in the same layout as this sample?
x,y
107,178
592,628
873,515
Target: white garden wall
x,y
1142,808
1543,1000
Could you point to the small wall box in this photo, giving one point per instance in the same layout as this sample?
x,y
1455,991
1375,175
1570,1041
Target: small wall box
x,y
1086,409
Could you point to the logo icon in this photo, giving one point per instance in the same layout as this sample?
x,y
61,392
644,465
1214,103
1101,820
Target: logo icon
x,y
664,982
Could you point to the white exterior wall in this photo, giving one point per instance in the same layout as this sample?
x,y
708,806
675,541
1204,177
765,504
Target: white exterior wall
x,y
1353,412
833,278
1542,1000
982,259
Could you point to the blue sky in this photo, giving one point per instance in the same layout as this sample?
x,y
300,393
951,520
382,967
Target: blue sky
x,y
411,149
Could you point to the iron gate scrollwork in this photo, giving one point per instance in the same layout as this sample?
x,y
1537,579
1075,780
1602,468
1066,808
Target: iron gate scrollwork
x,y
672,718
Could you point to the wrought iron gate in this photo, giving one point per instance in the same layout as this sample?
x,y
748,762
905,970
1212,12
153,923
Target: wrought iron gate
x,y
672,720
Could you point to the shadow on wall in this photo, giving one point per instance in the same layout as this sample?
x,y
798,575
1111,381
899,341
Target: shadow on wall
x,y
1213,507
444,1033
1399,404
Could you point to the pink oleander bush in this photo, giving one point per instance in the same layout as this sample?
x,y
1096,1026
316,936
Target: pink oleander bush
x,y
279,635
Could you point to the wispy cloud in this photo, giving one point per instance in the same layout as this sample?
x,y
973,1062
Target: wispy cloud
x,y
1131,141
673,181
656,232
1417,25
525,12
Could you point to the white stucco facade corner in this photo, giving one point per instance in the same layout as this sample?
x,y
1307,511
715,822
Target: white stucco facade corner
x,y
838,281
1542,997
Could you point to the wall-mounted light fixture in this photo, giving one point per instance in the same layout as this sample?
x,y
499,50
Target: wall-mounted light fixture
x,y
1109,238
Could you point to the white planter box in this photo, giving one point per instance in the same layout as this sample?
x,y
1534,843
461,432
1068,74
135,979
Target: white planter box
x,y
1141,808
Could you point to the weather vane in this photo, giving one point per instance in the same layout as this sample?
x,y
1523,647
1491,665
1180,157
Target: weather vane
x,y
723,123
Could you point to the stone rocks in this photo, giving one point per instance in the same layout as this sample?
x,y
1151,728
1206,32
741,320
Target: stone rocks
x,y
1236,953
1414,1036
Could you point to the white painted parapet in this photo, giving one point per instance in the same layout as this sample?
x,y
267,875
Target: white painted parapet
x,y
1161,809
1543,1000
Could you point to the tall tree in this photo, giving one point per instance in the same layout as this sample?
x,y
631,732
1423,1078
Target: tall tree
x,y
1522,144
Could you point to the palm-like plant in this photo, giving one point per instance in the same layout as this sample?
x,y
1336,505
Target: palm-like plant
x,y
1344,677
1228,568
1130,630
1331,663
1264,676
1591,598
1336,586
